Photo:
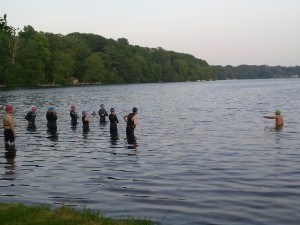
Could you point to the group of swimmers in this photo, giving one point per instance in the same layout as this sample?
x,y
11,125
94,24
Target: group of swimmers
x,y
130,119
51,116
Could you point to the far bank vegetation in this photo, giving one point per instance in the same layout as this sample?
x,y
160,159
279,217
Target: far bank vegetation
x,y
32,58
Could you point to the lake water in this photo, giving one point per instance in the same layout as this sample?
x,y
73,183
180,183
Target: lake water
x,y
204,153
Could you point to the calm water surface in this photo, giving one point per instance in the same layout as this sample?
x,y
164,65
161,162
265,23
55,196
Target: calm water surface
x,y
204,153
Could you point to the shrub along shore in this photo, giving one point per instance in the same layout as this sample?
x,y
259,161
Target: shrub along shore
x,y
17,213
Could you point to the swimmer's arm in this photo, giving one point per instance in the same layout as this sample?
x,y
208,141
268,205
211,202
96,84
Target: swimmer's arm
x,y
125,118
54,115
134,120
270,117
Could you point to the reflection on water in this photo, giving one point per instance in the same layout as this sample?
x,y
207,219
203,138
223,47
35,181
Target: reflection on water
x,y
132,142
52,134
275,129
203,155
85,132
31,128
114,138
10,155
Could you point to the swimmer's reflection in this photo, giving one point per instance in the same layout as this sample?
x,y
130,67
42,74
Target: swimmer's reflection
x,y
10,155
85,134
132,143
114,138
31,127
276,129
52,134
73,126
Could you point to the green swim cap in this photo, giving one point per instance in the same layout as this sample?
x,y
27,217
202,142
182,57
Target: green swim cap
x,y
278,111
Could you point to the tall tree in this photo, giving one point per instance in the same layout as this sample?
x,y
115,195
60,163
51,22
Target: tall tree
x,y
62,68
14,45
95,69
34,56
4,28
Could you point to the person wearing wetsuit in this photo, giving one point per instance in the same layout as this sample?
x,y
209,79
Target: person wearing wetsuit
x,y
51,118
113,122
9,128
30,117
130,120
85,122
74,116
102,113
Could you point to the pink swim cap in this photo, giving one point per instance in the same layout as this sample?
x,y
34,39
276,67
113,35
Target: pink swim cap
x,y
8,107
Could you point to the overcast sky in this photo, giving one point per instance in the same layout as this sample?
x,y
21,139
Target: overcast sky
x,y
222,32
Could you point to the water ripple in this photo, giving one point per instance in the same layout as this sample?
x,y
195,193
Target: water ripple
x,y
203,154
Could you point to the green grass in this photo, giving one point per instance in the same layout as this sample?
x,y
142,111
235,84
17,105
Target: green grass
x,y
20,214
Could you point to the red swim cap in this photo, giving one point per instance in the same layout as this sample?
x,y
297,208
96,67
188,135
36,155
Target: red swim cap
x,y
8,107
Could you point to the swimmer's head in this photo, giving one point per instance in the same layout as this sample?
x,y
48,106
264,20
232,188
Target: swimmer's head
x,y
51,107
102,105
112,109
33,108
8,108
277,112
84,113
134,110
73,107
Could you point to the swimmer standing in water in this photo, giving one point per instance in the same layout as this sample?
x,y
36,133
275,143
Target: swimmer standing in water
x,y
131,121
102,113
9,128
74,116
85,121
278,118
113,122
51,119
30,117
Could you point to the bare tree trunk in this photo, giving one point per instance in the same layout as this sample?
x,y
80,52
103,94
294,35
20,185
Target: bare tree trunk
x,y
14,45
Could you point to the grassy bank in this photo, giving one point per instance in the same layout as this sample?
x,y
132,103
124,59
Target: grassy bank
x,y
20,214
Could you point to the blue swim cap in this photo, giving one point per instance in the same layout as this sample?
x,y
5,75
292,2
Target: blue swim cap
x,y
51,107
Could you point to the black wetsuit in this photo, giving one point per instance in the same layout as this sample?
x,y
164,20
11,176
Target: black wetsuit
x,y
9,136
85,124
30,117
51,118
130,127
74,117
113,124
102,113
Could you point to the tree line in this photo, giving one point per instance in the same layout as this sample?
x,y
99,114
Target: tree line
x,y
255,72
31,58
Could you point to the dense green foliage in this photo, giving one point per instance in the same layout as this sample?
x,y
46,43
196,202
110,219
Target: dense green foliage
x,y
254,72
31,58
12,214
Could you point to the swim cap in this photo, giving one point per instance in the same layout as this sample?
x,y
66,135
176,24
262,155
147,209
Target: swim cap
x,y
8,107
134,109
33,108
277,111
51,107
112,109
